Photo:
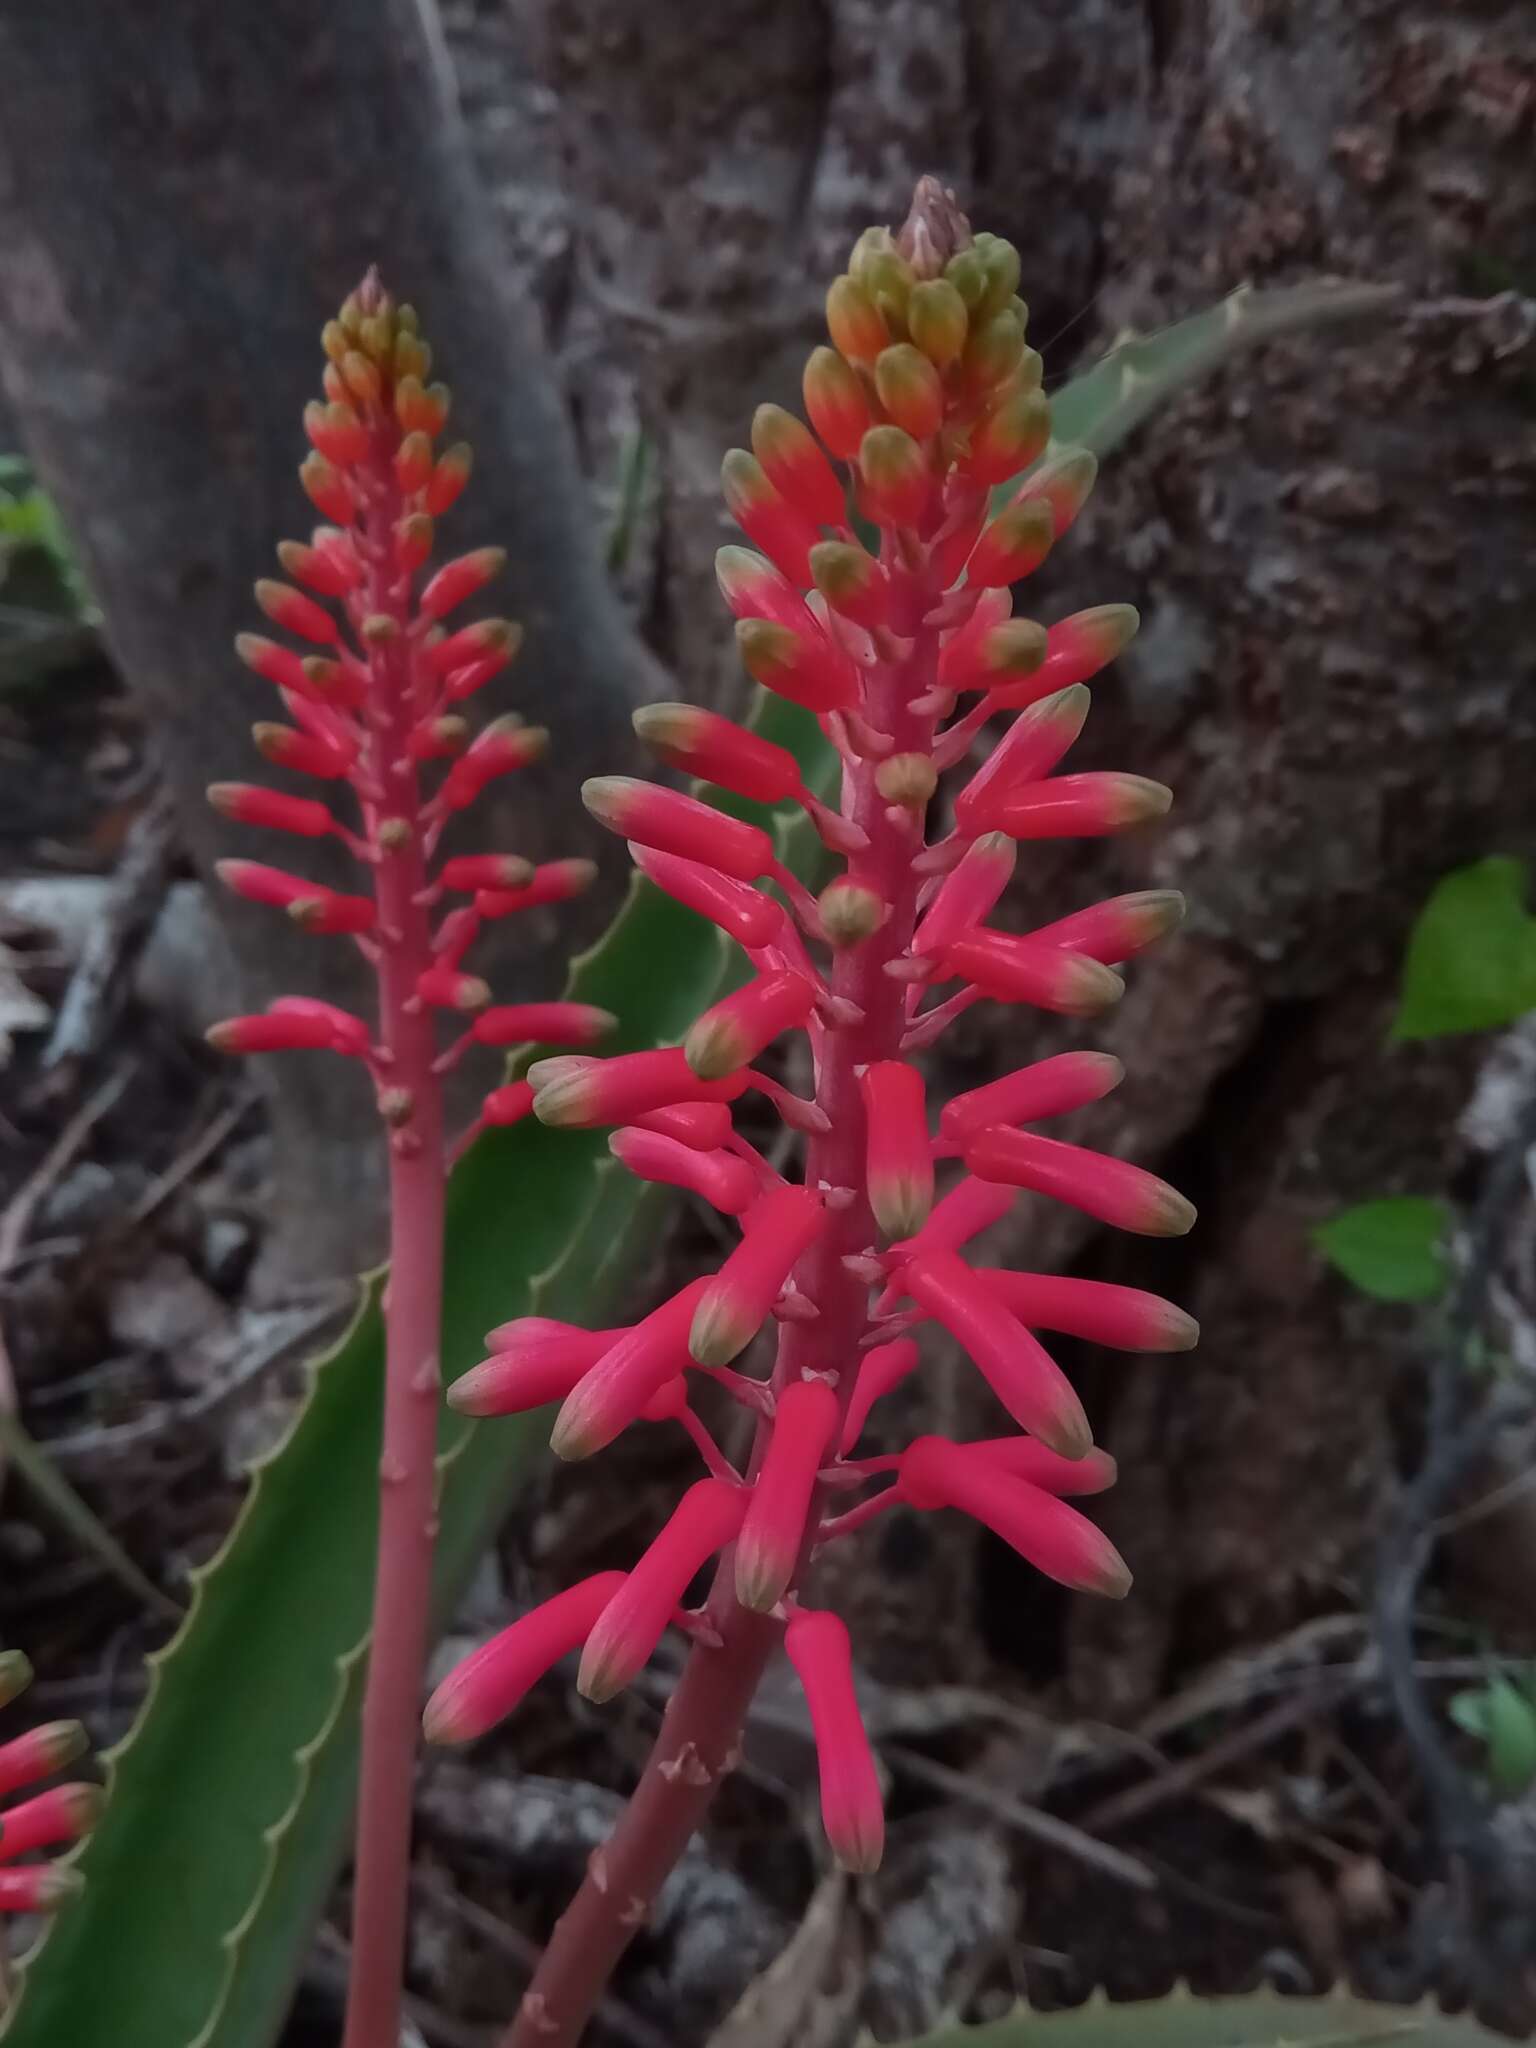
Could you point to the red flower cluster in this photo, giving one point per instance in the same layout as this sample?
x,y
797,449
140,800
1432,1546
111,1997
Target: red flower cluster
x,y
932,400
61,1814
381,695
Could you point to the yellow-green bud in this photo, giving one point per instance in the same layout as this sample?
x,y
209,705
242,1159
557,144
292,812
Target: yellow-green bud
x,y
936,321
967,272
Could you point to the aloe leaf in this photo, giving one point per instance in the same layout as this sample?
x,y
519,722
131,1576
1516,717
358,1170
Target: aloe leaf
x,y
1263,2019
1099,408
229,1799
1104,404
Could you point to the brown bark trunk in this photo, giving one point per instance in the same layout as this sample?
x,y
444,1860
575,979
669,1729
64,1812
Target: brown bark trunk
x,y
186,193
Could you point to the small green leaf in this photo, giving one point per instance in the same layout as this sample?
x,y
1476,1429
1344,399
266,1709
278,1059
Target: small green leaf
x,y
1392,1249
1471,962
1511,1737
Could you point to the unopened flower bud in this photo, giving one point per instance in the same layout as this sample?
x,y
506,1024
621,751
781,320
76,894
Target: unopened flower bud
x,y
736,1302
631,1625
937,321
1014,545
816,1643
773,1532
855,322
1124,1196
732,1033
837,403
674,823
907,779
449,476
850,912
910,389
1010,437
895,482
497,1677
713,748
770,521
898,1154
796,467
851,581
803,667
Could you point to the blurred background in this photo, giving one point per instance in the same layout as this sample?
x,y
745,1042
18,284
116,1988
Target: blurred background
x,y
1313,1724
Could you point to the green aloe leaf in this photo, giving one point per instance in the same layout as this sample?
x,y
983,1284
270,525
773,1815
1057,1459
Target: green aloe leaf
x,y
1263,2019
1393,1249
1471,962
230,1797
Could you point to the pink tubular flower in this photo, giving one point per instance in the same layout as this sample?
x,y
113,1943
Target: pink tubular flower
x,y
542,1024
497,1677
1117,1193
673,823
736,1301
581,1094
61,1814
1024,971
750,919
1028,1382
610,1395
526,1372
1055,1539
726,1182
773,1533
736,1030
967,893
636,1614
1051,1087
925,402
852,1811
1079,806
1124,1318
883,1368
899,1155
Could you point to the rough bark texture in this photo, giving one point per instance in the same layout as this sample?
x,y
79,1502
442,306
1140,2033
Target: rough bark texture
x,y
185,194
1330,548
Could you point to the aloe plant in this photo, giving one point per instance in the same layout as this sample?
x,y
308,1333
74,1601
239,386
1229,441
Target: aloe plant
x,y
1262,2019
230,1797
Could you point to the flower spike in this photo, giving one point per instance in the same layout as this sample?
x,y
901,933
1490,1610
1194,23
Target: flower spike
x,y
887,530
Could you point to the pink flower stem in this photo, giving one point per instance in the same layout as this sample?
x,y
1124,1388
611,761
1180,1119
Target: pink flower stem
x,y
413,1318
701,1731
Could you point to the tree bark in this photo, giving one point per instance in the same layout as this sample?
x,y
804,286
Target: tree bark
x,y
186,194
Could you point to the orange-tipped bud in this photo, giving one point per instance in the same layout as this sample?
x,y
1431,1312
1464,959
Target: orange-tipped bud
x,y
837,403
995,656
413,464
1031,748
501,749
470,871
1015,544
855,322
735,1030
554,881
249,804
805,668
674,823
332,570
328,489
1063,484
303,752
1080,806
295,612
446,988
851,581
414,537
456,581
937,321
994,349
794,464
1119,929
1011,436
327,913
711,747
910,389
895,482
554,1023
449,477
336,432
771,522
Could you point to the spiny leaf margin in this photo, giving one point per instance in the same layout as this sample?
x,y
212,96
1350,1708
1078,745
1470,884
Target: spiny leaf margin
x,y
1261,2019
